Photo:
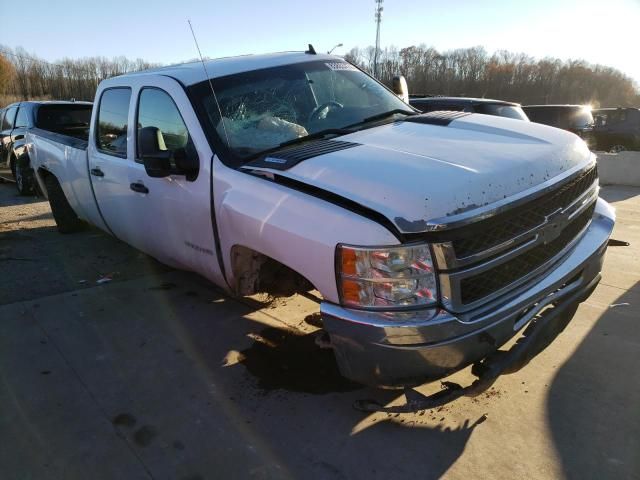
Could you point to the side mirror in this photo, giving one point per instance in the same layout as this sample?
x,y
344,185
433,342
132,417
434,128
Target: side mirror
x,y
400,87
157,162
187,161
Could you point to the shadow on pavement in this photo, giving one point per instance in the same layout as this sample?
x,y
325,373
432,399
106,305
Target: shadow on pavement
x,y
594,401
396,440
40,261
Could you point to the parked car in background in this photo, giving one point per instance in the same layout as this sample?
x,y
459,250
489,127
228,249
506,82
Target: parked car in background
x,y
426,234
617,129
574,118
464,104
67,118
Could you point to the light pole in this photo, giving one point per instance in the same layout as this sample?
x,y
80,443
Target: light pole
x,y
378,16
338,45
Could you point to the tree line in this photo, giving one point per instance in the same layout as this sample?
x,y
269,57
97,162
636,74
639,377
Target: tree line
x,y
26,77
461,72
472,72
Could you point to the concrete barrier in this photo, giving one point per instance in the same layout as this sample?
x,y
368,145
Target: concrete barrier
x,y
619,168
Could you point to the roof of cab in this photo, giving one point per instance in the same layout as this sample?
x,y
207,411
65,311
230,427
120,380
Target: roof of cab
x,y
191,73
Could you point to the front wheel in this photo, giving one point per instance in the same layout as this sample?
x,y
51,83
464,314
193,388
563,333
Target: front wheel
x,y
66,219
24,177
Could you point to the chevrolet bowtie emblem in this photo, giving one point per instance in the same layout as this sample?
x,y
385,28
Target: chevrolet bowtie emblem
x,y
552,229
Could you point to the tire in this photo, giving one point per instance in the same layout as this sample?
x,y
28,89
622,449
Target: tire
x,y
66,219
617,148
24,177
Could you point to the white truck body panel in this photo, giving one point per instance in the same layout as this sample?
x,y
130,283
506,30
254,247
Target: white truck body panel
x,y
296,229
69,165
474,162
175,216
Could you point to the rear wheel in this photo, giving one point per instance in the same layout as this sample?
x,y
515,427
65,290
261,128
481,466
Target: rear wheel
x,y
617,148
24,177
66,219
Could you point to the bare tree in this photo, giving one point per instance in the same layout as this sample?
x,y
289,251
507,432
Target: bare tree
x,y
502,75
24,76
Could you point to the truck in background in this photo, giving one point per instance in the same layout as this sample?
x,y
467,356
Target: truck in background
x,y
58,117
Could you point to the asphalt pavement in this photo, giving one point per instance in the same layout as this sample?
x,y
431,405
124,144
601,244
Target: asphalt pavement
x,y
114,366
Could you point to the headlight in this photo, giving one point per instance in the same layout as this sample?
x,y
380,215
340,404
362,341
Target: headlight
x,y
386,277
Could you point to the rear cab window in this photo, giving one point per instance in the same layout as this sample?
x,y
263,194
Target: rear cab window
x,y
501,110
113,114
66,119
548,116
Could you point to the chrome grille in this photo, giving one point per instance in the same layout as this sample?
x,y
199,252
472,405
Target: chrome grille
x,y
489,258
479,286
510,224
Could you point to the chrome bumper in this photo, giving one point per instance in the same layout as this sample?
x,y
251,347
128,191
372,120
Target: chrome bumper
x,y
408,348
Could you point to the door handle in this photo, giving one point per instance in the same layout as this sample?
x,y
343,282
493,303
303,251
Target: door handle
x,y
97,172
139,187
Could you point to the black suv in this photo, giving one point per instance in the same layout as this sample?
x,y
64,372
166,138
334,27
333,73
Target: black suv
x,y
617,129
464,104
575,118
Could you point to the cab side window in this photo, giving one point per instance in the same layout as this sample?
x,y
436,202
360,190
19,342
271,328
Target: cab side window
x,y
157,109
111,132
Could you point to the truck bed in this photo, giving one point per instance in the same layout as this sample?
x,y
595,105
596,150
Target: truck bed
x,y
70,139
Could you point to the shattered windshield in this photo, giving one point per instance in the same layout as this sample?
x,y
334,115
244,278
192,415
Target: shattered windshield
x,y
262,109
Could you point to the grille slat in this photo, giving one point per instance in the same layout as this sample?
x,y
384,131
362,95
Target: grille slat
x,y
505,226
481,285
489,258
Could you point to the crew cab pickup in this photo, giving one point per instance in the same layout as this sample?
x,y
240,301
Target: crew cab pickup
x,y
432,238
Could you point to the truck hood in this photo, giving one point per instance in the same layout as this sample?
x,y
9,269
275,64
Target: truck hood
x,y
419,175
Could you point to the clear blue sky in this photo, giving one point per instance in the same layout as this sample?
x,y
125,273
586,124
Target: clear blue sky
x,y
599,31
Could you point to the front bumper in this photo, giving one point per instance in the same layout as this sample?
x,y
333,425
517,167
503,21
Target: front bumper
x,y
409,348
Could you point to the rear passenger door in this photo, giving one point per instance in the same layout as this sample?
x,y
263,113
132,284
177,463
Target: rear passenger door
x,y
110,155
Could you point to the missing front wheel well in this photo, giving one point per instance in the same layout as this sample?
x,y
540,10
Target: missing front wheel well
x,y
258,273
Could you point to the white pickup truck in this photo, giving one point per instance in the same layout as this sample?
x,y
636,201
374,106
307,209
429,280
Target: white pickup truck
x,y
432,238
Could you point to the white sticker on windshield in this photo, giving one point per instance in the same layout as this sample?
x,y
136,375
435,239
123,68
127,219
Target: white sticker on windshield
x,y
340,66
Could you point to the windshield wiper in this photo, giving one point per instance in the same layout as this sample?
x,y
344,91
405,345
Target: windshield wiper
x,y
380,116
